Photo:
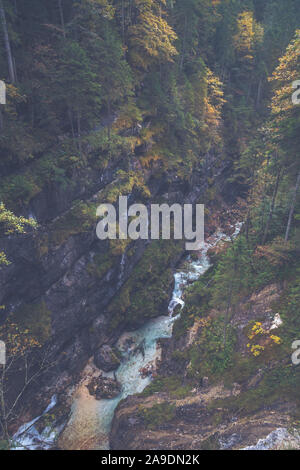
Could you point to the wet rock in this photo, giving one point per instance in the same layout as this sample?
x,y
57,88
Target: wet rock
x,y
106,359
140,349
125,343
278,439
177,310
229,441
104,388
254,381
97,332
51,265
205,382
236,389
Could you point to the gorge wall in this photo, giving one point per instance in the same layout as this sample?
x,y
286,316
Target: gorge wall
x,y
162,101
62,279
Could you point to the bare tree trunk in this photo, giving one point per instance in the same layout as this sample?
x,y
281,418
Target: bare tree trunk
x,y
79,131
227,313
1,121
130,11
270,216
15,70
292,209
109,118
3,420
10,61
249,89
70,114
62,20
123,21
9,402
248,224
183,45
259,92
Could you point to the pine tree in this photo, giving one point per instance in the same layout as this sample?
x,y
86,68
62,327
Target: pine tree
x,y
285,121
78,91
150,37
231,279
7,42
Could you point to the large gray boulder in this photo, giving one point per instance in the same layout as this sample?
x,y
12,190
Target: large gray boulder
x,y
106,359
104,388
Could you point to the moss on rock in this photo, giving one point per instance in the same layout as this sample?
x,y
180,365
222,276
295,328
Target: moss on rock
x,y
36,318
146,293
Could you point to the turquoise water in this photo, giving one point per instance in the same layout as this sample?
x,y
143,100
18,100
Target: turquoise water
x,y
91,419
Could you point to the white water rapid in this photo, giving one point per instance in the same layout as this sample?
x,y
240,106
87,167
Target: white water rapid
x,y
91,419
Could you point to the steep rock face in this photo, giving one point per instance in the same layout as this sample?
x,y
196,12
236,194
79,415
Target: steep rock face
x,y
54,267
191,423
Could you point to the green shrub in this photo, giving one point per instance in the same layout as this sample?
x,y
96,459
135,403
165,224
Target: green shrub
x,y
158,414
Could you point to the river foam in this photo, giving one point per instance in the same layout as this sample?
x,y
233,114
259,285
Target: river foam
x,y
90,422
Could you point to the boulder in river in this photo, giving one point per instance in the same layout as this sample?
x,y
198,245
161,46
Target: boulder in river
x,y
104,388
106,359
177,310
